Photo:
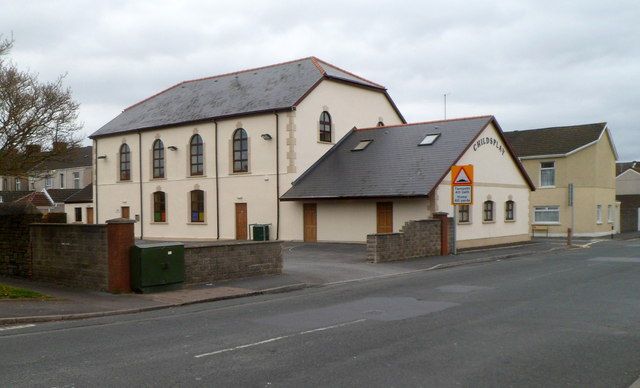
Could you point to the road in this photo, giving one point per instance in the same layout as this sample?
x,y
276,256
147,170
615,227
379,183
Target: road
x,y
568,319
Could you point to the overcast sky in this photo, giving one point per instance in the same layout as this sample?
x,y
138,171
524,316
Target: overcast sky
x,y
530,63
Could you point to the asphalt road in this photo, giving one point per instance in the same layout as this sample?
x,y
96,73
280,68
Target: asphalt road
x,y
568,319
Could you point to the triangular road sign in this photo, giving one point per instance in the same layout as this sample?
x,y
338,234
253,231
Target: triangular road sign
x,y
462,177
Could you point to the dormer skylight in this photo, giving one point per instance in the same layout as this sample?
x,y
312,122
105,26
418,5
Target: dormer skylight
x,y
429,139
362,145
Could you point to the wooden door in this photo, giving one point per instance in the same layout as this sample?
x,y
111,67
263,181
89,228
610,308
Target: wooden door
x,y
384,217
124,212
241,221
89,215
310,222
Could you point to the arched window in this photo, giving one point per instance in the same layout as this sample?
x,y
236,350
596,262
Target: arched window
x,y
380,124
325,126
159,207
240,151
197,206
488,209
125,163
509,210
158,159
197,155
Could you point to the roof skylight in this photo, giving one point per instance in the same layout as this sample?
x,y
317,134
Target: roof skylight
x,y
362,145
429,139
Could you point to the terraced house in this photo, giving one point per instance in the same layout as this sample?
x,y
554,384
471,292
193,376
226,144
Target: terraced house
x,y
574,170
206,158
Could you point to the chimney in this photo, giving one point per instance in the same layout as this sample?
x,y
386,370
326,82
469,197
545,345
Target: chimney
x,y
59,146
31,149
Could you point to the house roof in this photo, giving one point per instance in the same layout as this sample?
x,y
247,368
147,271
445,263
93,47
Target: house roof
x,y
74,157
81,196
12,196
393,164
554,140
624,166
36,198
265,89
60,195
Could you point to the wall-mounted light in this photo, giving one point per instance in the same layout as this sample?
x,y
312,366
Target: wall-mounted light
x,y
102,157
266,136
173,148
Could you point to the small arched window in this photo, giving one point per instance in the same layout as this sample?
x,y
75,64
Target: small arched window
x,y
488,209
125,162
197,155
510,210
197,206
325,126
240,151
159,207
158,159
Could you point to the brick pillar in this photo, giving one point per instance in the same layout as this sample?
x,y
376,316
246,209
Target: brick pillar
x,y
444,232
120,240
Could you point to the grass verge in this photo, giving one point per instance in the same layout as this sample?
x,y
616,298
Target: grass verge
x,y
8,292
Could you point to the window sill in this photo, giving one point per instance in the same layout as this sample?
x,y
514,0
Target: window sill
x,y
546,187
545,223
325,142
510,221
599,223
240,173
159,223
123,181
488,222
197,176
159,179
464,222
196,223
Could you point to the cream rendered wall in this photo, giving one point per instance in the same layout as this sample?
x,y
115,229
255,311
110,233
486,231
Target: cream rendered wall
x,y
496,178
592,172
69,208
348,106
628,183
352,220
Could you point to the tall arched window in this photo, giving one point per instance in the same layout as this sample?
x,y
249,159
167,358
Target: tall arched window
x,y
325,126
509,210
159,207
158,159
240,151
488,209
197,155
125,162
197,206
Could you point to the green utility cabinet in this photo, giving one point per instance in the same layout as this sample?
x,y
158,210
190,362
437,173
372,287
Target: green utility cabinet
x,y
260,232
157,267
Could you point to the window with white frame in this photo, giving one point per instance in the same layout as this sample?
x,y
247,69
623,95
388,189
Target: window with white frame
x,y
546,214
61,180
76,180
464,214
48,181
509,211
18,184
598,214
547,174
488,211
610,214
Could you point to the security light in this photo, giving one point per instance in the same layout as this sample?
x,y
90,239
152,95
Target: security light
x,y
173,148
102,157
266,136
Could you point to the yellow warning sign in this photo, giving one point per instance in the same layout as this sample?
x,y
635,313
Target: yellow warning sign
x,y
462,185
462,175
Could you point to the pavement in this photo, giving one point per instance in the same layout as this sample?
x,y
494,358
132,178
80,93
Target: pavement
x,y
305,265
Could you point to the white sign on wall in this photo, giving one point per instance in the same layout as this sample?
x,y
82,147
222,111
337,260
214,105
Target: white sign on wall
x,y
462,195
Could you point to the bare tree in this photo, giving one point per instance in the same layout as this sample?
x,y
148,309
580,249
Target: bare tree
x,y
38,120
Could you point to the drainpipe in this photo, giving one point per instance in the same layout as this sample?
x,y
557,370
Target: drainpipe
x,y
95,152
140,178
277,176
217,182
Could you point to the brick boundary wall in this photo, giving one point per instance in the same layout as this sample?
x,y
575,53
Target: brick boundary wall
x,y
419,238
15,255
73,255
629,205
208,262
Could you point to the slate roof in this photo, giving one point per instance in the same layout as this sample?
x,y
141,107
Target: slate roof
x,y
81,196
392,165
36,198
12,196
265,89
624,166
60,195
75,157
553,140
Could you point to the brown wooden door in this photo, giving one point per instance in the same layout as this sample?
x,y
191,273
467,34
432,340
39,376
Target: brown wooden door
x,y
241,221
384,217
89,215
310,222
124,212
